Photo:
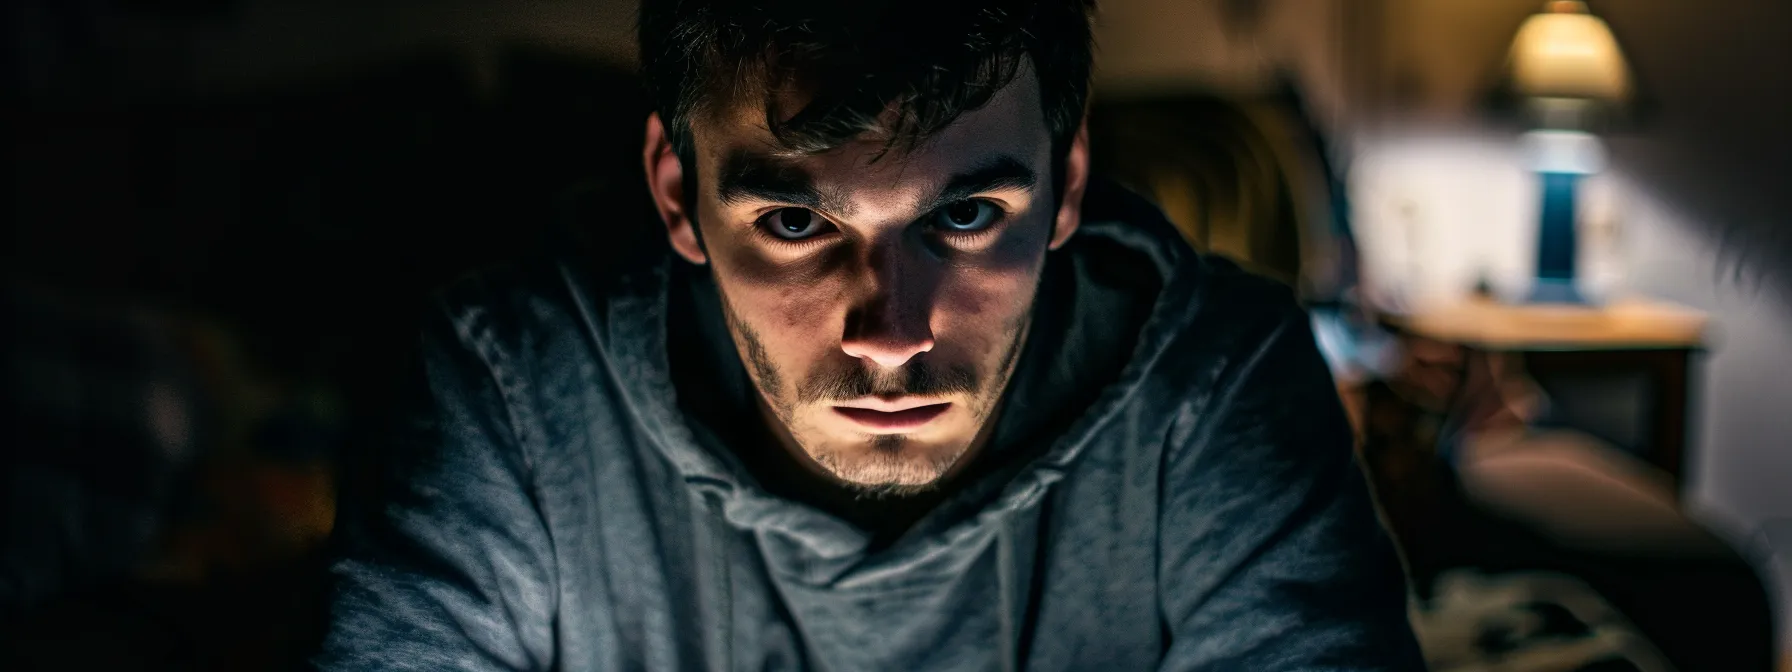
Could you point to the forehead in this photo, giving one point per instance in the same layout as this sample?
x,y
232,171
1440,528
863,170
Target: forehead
x,y
1012,124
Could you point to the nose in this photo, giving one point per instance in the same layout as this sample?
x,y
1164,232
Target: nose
x,y
892,324
885,336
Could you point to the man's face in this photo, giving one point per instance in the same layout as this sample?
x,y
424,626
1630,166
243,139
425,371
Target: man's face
x,y
879,302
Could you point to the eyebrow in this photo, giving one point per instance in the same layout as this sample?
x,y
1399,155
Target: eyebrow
x,y
998,174
752,177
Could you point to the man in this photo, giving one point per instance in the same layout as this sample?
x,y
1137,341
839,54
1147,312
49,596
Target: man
x,y
908,391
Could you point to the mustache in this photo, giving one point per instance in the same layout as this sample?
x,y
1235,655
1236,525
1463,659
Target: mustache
x,y
918,378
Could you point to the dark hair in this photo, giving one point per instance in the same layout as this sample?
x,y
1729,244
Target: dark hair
x,y
853,61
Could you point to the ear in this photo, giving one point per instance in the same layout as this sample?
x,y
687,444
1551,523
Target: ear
x,y
665,179
1076,178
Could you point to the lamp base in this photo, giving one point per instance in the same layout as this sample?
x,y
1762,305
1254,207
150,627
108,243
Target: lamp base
x,y
1550,290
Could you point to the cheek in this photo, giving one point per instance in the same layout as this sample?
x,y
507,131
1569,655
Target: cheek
x,y
792,313
985,305
783,297
996,285
781,294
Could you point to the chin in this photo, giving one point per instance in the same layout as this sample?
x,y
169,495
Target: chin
x,y
890,464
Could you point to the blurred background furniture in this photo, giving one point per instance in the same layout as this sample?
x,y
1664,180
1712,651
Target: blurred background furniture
x,y
1621,371
1558,482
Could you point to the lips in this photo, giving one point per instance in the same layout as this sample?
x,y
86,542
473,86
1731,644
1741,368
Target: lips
x,y
894,420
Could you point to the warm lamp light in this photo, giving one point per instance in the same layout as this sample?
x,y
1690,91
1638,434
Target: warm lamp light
x,y
1567,64
1565,52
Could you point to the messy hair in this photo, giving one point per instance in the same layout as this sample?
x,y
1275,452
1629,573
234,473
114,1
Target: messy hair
x,y
900,70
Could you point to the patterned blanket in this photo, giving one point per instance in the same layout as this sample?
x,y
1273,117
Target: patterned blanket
x,y
1526,622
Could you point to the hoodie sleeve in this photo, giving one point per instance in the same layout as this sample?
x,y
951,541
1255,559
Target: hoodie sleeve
x,y
445,562
1271,555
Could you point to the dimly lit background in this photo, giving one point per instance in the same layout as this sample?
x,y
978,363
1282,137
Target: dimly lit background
x,y
226,213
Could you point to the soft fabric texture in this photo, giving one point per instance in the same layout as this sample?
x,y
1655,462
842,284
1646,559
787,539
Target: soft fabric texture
x,y
1171,486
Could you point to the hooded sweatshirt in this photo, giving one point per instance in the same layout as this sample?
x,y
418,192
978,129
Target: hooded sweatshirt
x,y
583,486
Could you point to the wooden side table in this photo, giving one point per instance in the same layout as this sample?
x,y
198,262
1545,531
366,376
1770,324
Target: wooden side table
x,y
1636,337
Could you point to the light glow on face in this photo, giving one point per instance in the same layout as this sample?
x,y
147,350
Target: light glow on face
x,y
881,298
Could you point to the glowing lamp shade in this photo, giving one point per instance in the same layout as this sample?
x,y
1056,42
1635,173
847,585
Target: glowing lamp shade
x,y
1564,52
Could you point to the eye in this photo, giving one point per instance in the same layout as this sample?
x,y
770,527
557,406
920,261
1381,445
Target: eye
x,y
966,216
794,224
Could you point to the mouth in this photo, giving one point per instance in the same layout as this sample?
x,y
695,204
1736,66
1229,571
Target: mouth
x,y
892,417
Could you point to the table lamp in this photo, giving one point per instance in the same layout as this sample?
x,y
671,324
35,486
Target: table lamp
x,y
1568,68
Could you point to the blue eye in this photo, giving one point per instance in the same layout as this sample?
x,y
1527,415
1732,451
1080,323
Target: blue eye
x,y
966,216
794,224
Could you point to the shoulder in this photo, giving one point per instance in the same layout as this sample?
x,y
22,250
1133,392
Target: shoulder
x,y
557,309
1228,318
1258,397
1242,346
553,342
597,255
501,310
1231,301
1202,300
1210,321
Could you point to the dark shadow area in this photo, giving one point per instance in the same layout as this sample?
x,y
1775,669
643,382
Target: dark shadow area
x,y
1713,139
210,299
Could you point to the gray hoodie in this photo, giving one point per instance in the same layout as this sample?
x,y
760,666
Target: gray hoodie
x,y
1170,486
